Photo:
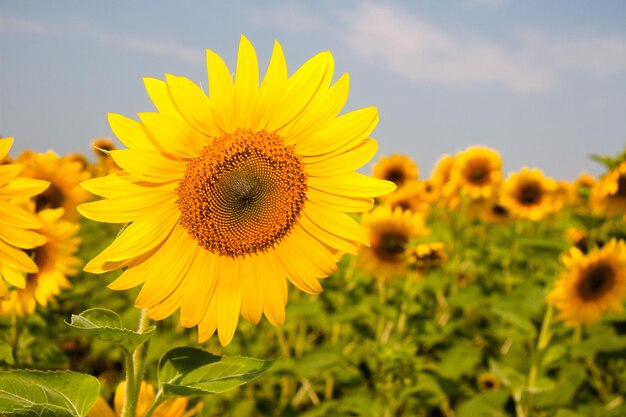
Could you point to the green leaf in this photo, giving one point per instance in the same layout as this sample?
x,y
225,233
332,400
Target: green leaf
x,y
186,371
104,324
459,360
38,393
485,404
6,353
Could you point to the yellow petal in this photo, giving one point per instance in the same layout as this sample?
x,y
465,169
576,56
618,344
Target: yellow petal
x,y
203,276
5,146
220,91
343,132
16,259
246,85
208,323
160,96
253,277
352,185
137,239
175,136
21,238
23,187
149,165
272,88
193,104
344,163
337,223
9,172
228,296
311,78
340,202
327,237
130,132
18,217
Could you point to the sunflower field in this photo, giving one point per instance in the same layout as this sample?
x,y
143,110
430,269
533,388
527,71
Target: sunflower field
x,y
374,290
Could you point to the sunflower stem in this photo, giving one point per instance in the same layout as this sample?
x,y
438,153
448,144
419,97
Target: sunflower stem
x,y
542,343
135,365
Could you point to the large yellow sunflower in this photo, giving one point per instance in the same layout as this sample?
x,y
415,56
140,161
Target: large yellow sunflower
x,y
528,194
608,194
591,284
232,192
173,407
399,169
55,260
16,224
390,232
476,172
64,175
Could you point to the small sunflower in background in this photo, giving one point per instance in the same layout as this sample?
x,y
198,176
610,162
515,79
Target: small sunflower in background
x,y
173,407
608,194
390,233
528,194
581,189
232,193
488,381
18,226
412,196
491,210
397,168
64,176
441,189
55,260
477,172
425,256
102,148
591,284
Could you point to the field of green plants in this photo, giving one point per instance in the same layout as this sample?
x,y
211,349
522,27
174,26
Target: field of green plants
x,y
481,294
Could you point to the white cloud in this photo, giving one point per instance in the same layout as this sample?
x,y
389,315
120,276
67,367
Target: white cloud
x,y
422,52
128,41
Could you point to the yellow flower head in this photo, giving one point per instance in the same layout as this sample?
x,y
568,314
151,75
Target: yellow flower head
x,y
529,195
55,260
441,188
426,255
477,172
16,224
390,232
64,176
399,169
231,192
608,195
591,284
413,196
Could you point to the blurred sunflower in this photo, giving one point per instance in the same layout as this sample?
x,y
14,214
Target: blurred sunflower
x,y
390,232
527,194
591,284
413,196
230,193
55,260
426,255
174,407
608,195
491,210
16,223
477,172
442,190
488,381
399,169
581,188
102,148
64,176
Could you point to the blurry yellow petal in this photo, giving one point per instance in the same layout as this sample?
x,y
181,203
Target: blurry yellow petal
x,y
18,217
9,172
5,146
23,187
100,409
16,259
25,239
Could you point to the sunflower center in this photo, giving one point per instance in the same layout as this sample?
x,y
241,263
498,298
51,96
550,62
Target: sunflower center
x,y
529,194
596,282
391,247
396,176
242,194
52,197
621,187
478,174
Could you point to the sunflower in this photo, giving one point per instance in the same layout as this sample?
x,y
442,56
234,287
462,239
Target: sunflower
x,y
591,284
581,189
425,256
399,169
64,176
390,232
16,224
55,260
529,195
230,193
413,196
441,189
173,407
608,195
490,210
476,172
488,381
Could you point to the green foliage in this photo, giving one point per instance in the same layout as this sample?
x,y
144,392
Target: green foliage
x,y
55,394
106,325
186,371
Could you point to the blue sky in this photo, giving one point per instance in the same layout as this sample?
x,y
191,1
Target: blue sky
x,y
543,83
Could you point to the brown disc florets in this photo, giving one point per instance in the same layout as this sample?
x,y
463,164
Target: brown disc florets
x,y
243,194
